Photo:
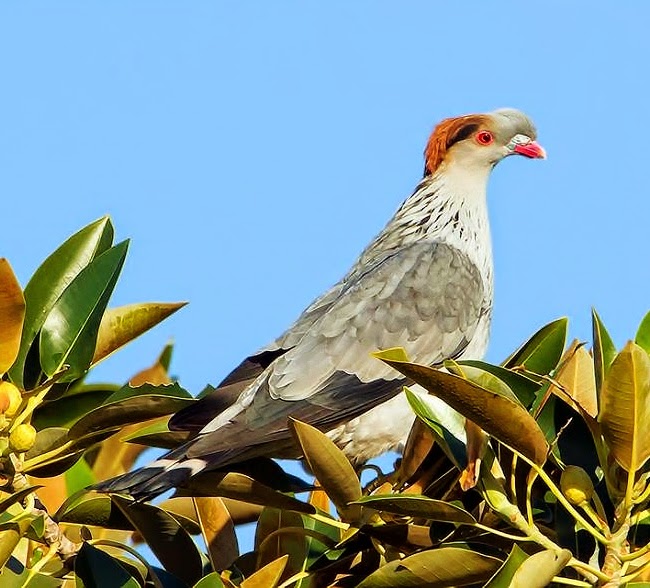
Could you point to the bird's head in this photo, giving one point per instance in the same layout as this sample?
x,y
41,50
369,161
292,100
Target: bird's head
x,y
480,141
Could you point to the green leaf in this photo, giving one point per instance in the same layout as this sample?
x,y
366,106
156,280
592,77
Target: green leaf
x,y
442,567
542,352
523,387
96,569
418,506
505,573
498,415
604,349
642,338
93,510
9,579
212,580
450,436
625,408
52,278
170,543
12,315
125,323
69,333
330,466
157,434
132,405
65,411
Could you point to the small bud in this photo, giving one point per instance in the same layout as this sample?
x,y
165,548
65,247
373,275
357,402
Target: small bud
x,y
10,399
576,485
22,438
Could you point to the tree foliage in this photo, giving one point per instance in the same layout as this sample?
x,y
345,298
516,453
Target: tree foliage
x,y
547,481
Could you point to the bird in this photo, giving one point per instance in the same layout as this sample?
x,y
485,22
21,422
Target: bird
x,y
425,283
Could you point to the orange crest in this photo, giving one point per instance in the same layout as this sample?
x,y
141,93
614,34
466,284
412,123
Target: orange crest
x,y
446,133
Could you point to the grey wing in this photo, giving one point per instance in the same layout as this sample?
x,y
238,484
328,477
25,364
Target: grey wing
x,y
427,298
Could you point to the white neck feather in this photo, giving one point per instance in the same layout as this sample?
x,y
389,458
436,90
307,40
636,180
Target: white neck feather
x,y
449,207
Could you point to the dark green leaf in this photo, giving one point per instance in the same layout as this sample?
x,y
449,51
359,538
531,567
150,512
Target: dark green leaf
x,y
418,506
53,277
93,510
132,405
604,349
542,352
97,569
171,544
69,333
65,411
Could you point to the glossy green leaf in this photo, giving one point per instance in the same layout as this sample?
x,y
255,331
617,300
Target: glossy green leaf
x,y
539,569
625,408
69,333
125,323
12,315
505,573
170,543
450,436
542,352
604,350
132,405
523,387
417,506
498,415
65,411
52,278
330,466
433,568
96,569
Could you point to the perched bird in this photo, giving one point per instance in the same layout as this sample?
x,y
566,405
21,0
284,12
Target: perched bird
x,y
424,283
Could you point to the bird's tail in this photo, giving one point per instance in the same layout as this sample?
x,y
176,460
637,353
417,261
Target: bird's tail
x,y
171,470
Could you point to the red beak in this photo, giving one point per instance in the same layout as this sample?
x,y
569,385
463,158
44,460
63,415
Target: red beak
x,y
533,150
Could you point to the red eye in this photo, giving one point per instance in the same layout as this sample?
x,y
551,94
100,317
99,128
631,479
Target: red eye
x,y
484,137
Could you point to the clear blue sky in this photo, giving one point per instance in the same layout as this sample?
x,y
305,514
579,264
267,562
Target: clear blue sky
x,y
251,149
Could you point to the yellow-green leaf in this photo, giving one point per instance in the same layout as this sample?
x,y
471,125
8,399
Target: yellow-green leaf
x,y
442,567
12,315
330,466
625,407
269,576
577,380
539,569
125,323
